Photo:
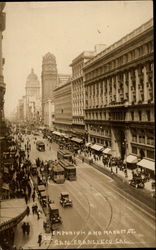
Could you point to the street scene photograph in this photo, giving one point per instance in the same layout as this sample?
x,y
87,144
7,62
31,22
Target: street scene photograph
x,y
77,141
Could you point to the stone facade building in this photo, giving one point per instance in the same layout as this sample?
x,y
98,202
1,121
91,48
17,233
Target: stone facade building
x,y
78,93
119,95
63,108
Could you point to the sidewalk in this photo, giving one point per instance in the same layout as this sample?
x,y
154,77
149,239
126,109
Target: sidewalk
x,y
36,227
120,174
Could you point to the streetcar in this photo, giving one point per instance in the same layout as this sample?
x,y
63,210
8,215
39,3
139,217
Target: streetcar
x,y
57,174
64,154
40,146
69,168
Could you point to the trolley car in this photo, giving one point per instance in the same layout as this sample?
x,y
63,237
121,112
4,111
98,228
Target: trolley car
x,y
58,174
69,168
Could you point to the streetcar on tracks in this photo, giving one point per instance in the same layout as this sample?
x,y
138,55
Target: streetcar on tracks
x,y
69,169
58,174
64,155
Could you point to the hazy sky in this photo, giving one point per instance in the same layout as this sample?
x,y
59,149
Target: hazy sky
x,y
63,28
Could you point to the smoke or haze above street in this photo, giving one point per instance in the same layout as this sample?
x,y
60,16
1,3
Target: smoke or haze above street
x,y
64,29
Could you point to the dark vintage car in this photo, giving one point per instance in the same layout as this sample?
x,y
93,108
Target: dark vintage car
x,y
137,182
65,200
54,215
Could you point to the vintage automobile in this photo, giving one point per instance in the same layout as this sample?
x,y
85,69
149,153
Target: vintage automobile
x,y
54,214
137,182
65,200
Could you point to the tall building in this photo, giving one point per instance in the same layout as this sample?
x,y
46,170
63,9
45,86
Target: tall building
x,y
78,95
49,82
33,100
119,87
63,108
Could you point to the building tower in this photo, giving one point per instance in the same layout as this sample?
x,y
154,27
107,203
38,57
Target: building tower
x,y
32,89
49,81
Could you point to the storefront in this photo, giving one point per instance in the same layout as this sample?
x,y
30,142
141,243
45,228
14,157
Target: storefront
x,y
97,149
148,166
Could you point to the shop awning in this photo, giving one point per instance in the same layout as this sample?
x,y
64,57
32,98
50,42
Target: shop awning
x,y
97,147
75,139
107,151
131,159
147,164
88,144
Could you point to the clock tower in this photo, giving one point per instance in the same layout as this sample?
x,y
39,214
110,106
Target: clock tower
x,y
49,78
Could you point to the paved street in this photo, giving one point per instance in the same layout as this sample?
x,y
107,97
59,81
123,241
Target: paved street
x,y
102,215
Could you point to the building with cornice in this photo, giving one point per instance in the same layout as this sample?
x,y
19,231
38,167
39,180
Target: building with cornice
x,y
119,95
78,91
32,98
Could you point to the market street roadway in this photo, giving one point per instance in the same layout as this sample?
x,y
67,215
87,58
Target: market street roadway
x,y
102,216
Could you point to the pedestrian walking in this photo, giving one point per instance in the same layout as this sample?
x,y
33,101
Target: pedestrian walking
x,y
35,208
28,210
38,214
39,239
24,228
26,198
27,228
33,196
33,211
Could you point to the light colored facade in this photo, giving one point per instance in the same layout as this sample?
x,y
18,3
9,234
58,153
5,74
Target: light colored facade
x,y
63,108
119,93
33,99
78,95
49,82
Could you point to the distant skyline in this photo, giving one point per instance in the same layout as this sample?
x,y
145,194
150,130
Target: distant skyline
x,y
64,29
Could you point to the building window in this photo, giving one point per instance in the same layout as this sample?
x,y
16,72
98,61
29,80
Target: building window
x,y
148,113
134,150
150,140
132,115
150,154
134,137
142,139
140,115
